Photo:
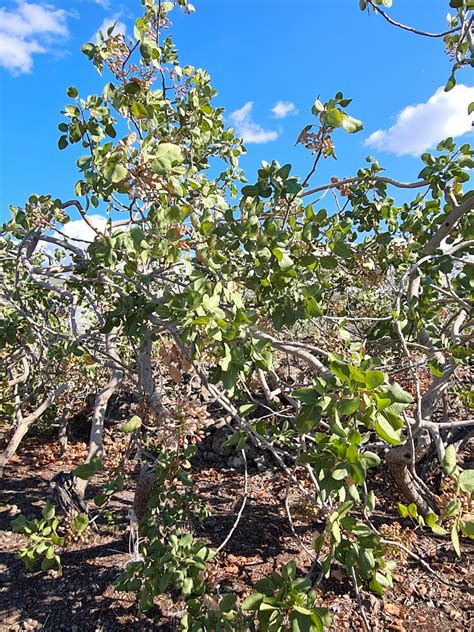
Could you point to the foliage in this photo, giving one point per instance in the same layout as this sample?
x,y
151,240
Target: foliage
x,y
227,278
282,602
285,602
43,539
170,556
456,510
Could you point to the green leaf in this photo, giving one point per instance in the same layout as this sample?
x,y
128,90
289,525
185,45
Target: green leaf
x,y
306,395
48,511
161,166
449,460
172,152
340,473
370,459
348,406
100,500
402,510
412,510
396,393
87,470
119,173
72,92
284,260
336,531
333,117
47,563
188,585
376,586
352,125
470,108
250,190
166,157
370,501
81,522
145,600
246,409
328,263
308,416
450,83
374,379
62,142
253,601
438,530
467,528
132,425
18,524
466,481
139,110
341,249
455,540
284,172
385,431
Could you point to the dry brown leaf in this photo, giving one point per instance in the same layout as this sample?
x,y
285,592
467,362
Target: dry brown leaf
x,y
175,374
232,569
392,608
186,364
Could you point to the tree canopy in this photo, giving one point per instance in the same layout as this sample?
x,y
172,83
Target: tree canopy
x,y
203,275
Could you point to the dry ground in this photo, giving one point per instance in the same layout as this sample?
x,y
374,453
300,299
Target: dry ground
x,y
84,599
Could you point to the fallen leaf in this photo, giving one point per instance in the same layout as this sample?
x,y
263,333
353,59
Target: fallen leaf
x,y
175,374
392,608
232,569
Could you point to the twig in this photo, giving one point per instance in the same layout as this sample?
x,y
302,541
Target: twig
x,y
359,601
395,183
410,28
242,506
424,563
448,424
290,520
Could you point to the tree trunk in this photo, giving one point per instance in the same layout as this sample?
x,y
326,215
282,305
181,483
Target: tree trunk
x,y
100,404
145,375
406,485
62,432
24,423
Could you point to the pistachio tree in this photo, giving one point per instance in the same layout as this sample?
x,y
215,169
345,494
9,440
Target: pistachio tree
x,y
225,276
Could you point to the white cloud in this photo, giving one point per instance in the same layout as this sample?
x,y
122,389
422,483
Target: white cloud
x,y
26,30
78,229
106,24
80,234
250,131
284,108
420,127
103,3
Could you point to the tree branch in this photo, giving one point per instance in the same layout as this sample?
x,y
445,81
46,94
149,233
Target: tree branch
x,y
410,28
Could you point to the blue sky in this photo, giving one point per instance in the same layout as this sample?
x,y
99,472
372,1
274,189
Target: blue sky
x,y
259,53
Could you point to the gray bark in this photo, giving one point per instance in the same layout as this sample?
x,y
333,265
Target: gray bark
x,y
100,404
23,424
145,375
62,432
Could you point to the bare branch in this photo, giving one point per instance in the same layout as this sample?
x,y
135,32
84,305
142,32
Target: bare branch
x,y
404,27
395,183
